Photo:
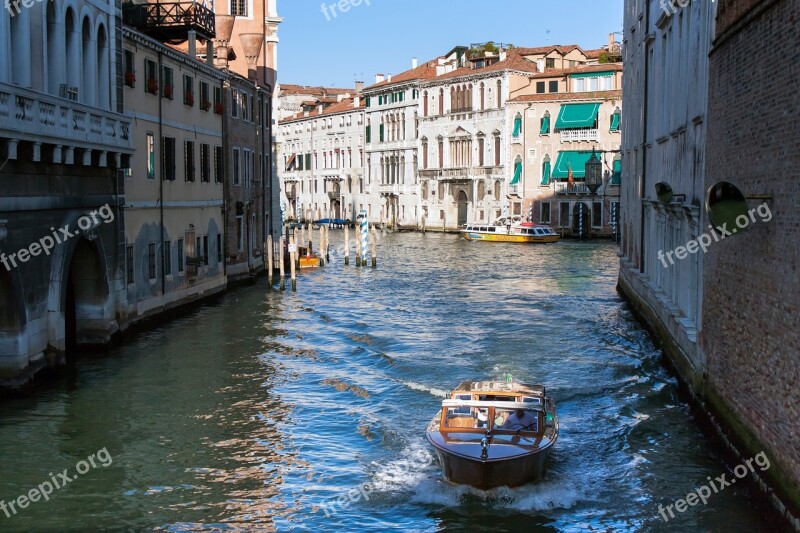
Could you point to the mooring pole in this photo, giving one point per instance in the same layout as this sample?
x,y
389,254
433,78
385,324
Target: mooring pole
x,y
282,266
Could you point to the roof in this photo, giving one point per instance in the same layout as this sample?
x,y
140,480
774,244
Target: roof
x,y
425,71
583,69
594,54
562,49
339,107
288,88
555,97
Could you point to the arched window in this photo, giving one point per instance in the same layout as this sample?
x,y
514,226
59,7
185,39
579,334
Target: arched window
x,y
453,99
482,97
499,94
103,72
546,170
441,101
55,51
424,190
88,51
424,153
497,189
425,104
469,98
481,190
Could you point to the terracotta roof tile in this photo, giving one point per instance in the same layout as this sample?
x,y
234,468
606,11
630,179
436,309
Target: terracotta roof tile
x,y
340,107
554,97
288,88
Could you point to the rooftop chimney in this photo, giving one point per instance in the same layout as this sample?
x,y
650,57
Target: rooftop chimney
x,y
389,78
540,65
611,41
414,63
251,44
359,87
378,78
357,101
224,29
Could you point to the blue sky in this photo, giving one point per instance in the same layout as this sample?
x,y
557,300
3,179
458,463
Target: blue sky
x,y
383,36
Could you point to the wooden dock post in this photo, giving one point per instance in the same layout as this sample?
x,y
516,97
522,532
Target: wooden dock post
x,y
328,244
283,264
346,245
358,251
270,261
295,257
374,247
423,224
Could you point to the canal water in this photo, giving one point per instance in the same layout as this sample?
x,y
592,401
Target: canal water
x,y
306,412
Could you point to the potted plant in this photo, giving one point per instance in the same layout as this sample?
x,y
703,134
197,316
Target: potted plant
x,y
218,108
188,99
130,79
168,91
152,86
205,105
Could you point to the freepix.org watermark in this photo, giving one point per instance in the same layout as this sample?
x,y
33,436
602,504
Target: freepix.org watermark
x,y
714,235
343,6
13,6
48,242
671,7
718,484
58,481
418,461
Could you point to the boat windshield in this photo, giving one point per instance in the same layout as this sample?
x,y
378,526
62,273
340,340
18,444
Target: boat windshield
x,y
468,417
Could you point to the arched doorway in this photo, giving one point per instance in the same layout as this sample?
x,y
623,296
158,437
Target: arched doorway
x,y
581,219
463,202
335,195
85,298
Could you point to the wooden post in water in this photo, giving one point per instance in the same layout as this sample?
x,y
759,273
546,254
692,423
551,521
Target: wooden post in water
x,y
358,251
346,245
282,266
322,229
423,224
294,255
270,260
328,244
374,248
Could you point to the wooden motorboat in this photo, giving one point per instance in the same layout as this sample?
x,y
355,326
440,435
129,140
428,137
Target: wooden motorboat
x,y
510,229
490,434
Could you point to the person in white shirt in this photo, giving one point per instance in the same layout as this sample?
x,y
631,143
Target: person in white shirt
x,y
521,419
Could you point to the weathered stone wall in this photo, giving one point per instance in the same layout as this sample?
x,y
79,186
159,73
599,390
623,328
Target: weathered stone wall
x,y
751,302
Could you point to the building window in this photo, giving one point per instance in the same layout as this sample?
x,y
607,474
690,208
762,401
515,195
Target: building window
x,y
130,70
218,106
240,233
181,255
239,8
167,83
544,217
151,260
151,156
236,162
219,248
499,94
188,154
540,87
205,96
497,151
167,258
544,127
151,76
129,264
481,149
188,90
205,250
553,86
564,215
597,214
168,158
550,62
205,163
441,153
218,164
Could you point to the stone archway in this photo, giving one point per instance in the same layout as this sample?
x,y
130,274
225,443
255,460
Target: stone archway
x,y
463,204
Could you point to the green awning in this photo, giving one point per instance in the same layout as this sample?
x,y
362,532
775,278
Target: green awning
x,y
517,173
517,126
574,116
616,176
546,173
545,125
615,122
592,75
576,160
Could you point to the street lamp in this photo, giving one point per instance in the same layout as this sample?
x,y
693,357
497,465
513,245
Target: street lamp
x,y
594,180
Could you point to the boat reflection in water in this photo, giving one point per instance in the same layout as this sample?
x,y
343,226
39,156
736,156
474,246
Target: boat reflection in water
x,y
492,434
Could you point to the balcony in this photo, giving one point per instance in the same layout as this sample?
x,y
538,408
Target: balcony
x,y
170,21
390,189
515,190
563,187
43,118
580,135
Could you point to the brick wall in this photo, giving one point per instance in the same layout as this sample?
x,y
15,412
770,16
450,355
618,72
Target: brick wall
x,y
751,301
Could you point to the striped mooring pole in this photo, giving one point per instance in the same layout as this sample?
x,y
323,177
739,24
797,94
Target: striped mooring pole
x,y
364,232
580,220
530,213
614,220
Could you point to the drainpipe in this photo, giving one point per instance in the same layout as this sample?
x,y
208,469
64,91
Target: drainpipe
x,y
161,178
645,101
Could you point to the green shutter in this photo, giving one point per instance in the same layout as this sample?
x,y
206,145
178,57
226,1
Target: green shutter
x,y
369,134
591,75
368,101
574,116
545,126
546,173
615,122
517,173
381,140
517,126
616,176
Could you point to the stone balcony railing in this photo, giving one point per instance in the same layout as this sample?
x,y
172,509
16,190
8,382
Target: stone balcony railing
x,y
563,187
42,118
464,173
580,135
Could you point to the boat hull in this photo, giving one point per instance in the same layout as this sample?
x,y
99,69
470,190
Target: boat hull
x,y
490,474
519,239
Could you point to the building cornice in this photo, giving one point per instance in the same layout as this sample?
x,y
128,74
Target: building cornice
x,y
156,46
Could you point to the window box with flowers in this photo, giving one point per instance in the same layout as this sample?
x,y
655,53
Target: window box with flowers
x,y
205,105
152,86
168,91
130,79
188,99
219,108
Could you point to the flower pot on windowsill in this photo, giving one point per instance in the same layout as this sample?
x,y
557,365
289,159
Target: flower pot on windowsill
x,y
205,105
188,99
130,79
219,109
152,86
168,91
